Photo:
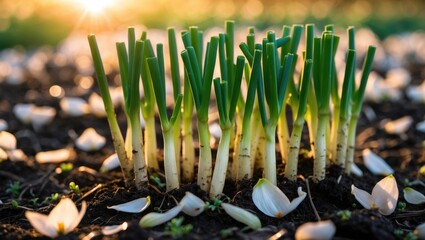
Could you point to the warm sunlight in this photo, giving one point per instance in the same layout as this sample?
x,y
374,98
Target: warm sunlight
x,y
96,6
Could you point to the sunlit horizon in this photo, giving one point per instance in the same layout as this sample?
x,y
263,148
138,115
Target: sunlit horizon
x,y
96,6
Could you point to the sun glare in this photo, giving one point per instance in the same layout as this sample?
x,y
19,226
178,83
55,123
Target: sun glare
x,y
96,6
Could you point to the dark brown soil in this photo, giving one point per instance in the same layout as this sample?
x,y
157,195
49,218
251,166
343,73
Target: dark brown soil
x,y
330,197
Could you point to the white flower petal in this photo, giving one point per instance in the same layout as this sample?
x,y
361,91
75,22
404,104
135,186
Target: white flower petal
x,y
398,77
398,126
416,93
116,95
109,230
296,201
242,215
3,125
65,213
135,206
23,112
55,156
270,199
78,219
385,195
192,205
356,170
3,155
376,164
412,196
153,219
420,231
110,163
363,197
90,140
7,140
421,126
41,224
41,116
17,155
96,105
74,107
215,130
322,230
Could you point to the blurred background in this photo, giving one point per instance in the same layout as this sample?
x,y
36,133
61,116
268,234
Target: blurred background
x,y
31,23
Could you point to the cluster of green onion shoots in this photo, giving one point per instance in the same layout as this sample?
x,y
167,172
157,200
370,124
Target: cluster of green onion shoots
x,y
249,121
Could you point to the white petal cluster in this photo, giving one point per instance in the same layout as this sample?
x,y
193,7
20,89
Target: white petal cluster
x,y
272,201
383,198
61,220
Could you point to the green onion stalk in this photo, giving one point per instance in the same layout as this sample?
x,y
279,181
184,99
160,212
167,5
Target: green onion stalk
x,y
130,67
200,84
257,133
273,87
226,104
357,102
157,72
322,74
148,108
289,43
192,38
248,50
228,97
336,101
345,111
175,78
133,111
298,124
244,162
117,138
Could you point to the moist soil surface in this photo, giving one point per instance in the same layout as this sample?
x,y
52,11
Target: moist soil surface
x,y
331,198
